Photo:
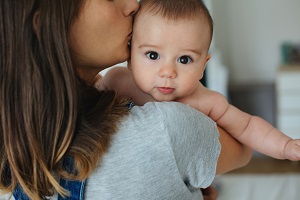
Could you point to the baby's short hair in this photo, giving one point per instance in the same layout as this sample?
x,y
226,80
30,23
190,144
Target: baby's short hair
x,y
177,9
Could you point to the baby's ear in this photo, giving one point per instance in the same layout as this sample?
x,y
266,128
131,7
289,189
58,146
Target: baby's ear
x,y
208,56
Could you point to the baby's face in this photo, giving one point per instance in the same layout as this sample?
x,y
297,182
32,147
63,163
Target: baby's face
x,y
168,57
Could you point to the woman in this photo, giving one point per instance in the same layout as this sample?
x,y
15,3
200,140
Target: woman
x,y
55,127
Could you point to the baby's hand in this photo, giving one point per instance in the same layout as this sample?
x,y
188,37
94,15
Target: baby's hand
x,y
292,150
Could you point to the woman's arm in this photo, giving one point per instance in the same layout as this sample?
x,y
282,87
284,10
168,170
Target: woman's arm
x,y
233,154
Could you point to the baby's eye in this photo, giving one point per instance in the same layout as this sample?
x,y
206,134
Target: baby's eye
x,y
184,60
152,55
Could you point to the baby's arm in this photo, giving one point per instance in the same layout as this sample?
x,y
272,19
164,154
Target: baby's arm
x,y
250,130
120,80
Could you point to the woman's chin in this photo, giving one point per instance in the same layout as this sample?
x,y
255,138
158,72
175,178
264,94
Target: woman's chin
x,y
125,56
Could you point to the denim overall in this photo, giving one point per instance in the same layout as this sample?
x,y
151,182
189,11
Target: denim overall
x,y
76,188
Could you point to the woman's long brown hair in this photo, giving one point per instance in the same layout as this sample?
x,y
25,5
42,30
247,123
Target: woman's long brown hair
x,y
46,111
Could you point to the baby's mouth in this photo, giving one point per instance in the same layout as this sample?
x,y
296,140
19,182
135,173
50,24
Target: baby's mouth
x,y
166,90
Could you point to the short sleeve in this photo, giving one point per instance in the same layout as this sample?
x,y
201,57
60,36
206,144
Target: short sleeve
x,y
195,143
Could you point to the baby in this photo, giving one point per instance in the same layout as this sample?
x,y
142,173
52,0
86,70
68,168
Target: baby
x,y
169,52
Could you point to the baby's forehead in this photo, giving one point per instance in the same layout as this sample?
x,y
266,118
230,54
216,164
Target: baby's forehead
x,y
145,16
174,14
159,30
169,14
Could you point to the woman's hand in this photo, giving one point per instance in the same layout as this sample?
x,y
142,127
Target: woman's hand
x,y
209,193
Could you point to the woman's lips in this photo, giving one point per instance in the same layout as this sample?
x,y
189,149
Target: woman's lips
x,y
166,90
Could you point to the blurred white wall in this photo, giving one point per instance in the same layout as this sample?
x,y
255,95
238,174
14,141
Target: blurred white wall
x,y
249,35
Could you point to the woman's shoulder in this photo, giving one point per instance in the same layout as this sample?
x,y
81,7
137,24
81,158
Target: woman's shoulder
x,y
170,106
171,111
171,119
157,141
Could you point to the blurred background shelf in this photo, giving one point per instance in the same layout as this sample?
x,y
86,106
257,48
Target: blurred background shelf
x,y
267,165
288,100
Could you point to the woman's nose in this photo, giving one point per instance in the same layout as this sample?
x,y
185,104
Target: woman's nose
x,y
131,7
168,71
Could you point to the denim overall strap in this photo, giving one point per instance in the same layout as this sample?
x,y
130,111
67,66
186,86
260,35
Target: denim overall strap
x,y
19,194
76,188
130,105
